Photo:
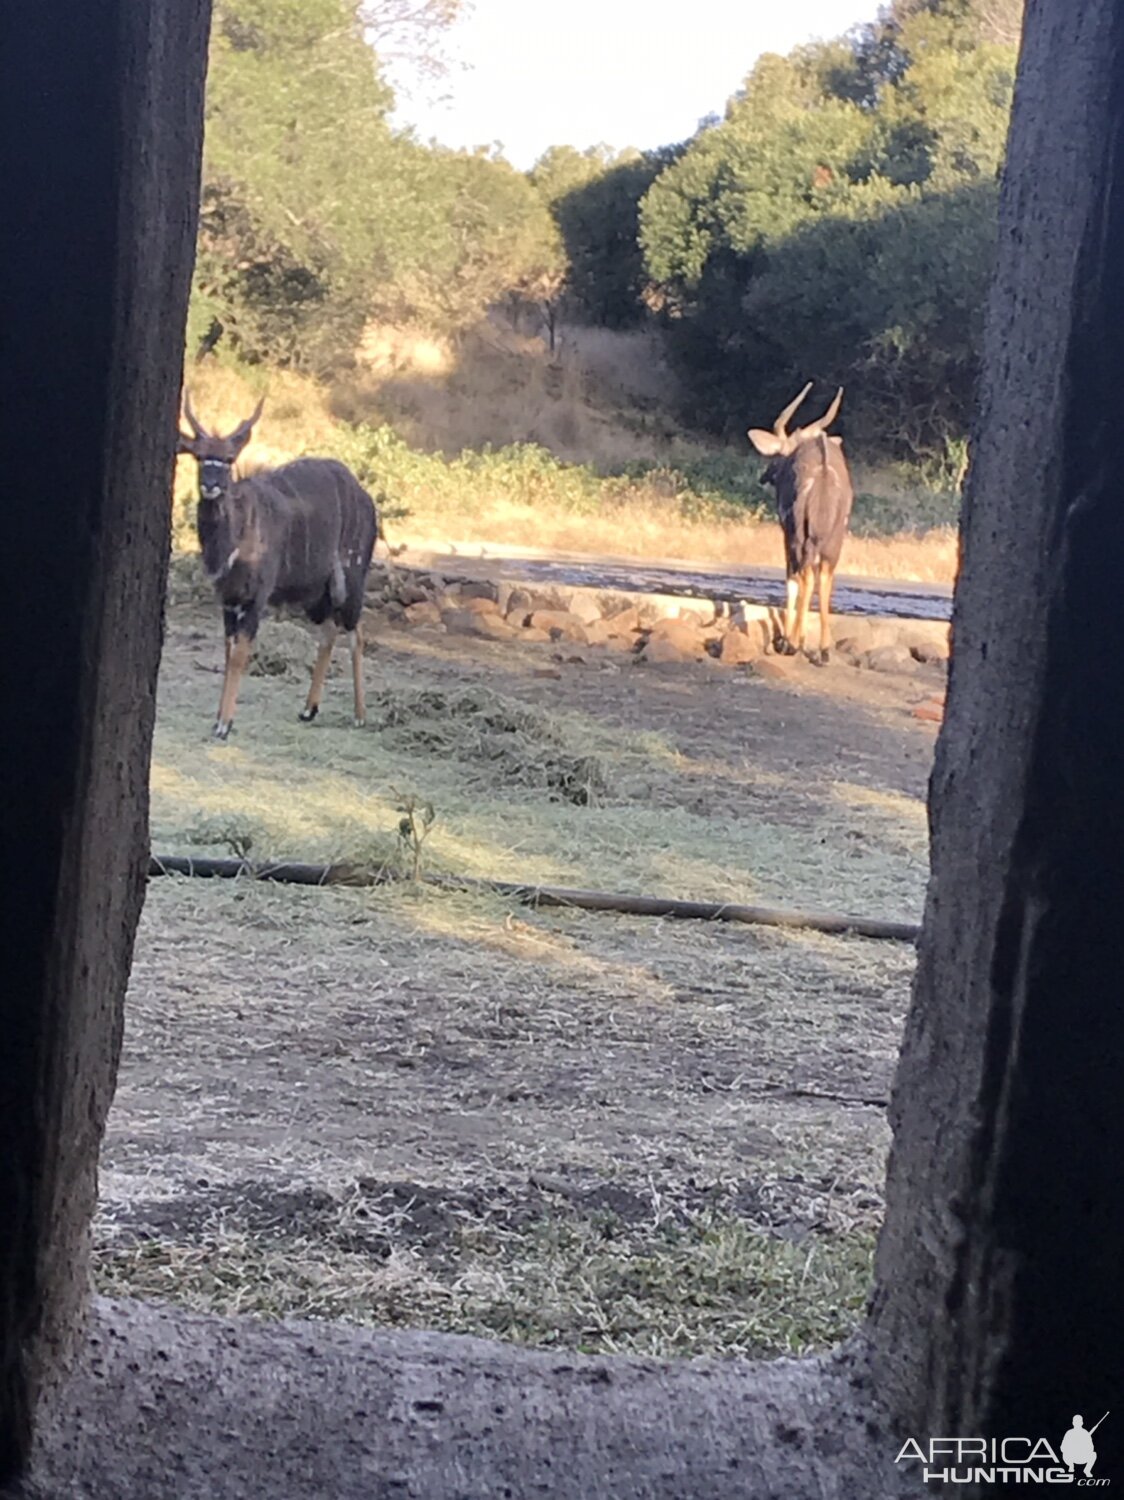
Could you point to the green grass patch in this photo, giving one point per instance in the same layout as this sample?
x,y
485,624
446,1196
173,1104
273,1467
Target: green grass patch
x,y
596,1284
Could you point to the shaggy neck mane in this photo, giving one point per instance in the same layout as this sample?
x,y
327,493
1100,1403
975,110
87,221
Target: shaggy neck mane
x,y
222,525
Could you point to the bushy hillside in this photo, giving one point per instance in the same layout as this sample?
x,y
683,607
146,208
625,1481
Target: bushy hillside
x,y
612,314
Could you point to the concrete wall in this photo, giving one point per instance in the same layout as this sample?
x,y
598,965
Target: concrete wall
x,y
101,131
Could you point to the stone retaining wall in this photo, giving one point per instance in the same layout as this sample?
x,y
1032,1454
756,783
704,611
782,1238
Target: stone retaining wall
x,y
647,627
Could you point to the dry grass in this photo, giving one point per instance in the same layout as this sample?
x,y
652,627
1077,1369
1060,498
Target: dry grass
x,y
603,398
493,738
651,528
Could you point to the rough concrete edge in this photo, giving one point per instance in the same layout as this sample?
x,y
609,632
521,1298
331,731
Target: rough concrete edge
x,y
164,1404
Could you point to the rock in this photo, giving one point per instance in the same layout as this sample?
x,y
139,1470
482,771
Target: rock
x,y
409,591
760,629
684,635
488,627
586,607
478,588
857,636
457,621
599,633
496,629
532,633
622,621
674,627
933,713
927,648
478,605
654,607
614,603
519,606
423,613
700,611
775,668
649,614
888,659
737,647
551,599
663,648
559,624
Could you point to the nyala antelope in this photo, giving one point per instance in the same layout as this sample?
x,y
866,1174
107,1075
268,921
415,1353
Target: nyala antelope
x,y
301,535
814,499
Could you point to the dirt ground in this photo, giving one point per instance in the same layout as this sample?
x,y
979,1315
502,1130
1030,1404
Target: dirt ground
x,y
404,1105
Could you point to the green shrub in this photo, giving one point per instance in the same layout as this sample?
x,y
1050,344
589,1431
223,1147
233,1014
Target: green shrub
x,y
718,486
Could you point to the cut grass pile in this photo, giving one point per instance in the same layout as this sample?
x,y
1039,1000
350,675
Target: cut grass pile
x,y
493,738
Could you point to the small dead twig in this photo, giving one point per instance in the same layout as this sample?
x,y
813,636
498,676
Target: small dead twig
x,y
414,828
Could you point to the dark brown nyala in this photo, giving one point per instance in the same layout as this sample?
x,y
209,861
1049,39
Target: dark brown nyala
x,y
301,535
814,499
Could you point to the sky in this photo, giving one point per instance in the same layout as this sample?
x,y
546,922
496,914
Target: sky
x,y
535,73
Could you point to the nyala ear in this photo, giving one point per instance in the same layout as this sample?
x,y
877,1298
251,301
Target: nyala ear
x,y
766,442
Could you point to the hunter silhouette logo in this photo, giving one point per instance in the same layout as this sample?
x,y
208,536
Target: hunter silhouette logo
x,y
1077,1446
1018,1460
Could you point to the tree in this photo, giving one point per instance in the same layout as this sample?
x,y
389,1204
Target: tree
x,y
303,203
493,236
888,300
594,197
945,120
1008,1113
997,21
317,216
782,154
839,224
562,169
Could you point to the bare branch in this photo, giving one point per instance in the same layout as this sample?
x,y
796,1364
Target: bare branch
x,y
410,35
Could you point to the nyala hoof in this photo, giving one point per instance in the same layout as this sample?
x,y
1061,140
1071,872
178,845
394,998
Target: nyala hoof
x,y
307,715
221,731
786,648
819,658
360,723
